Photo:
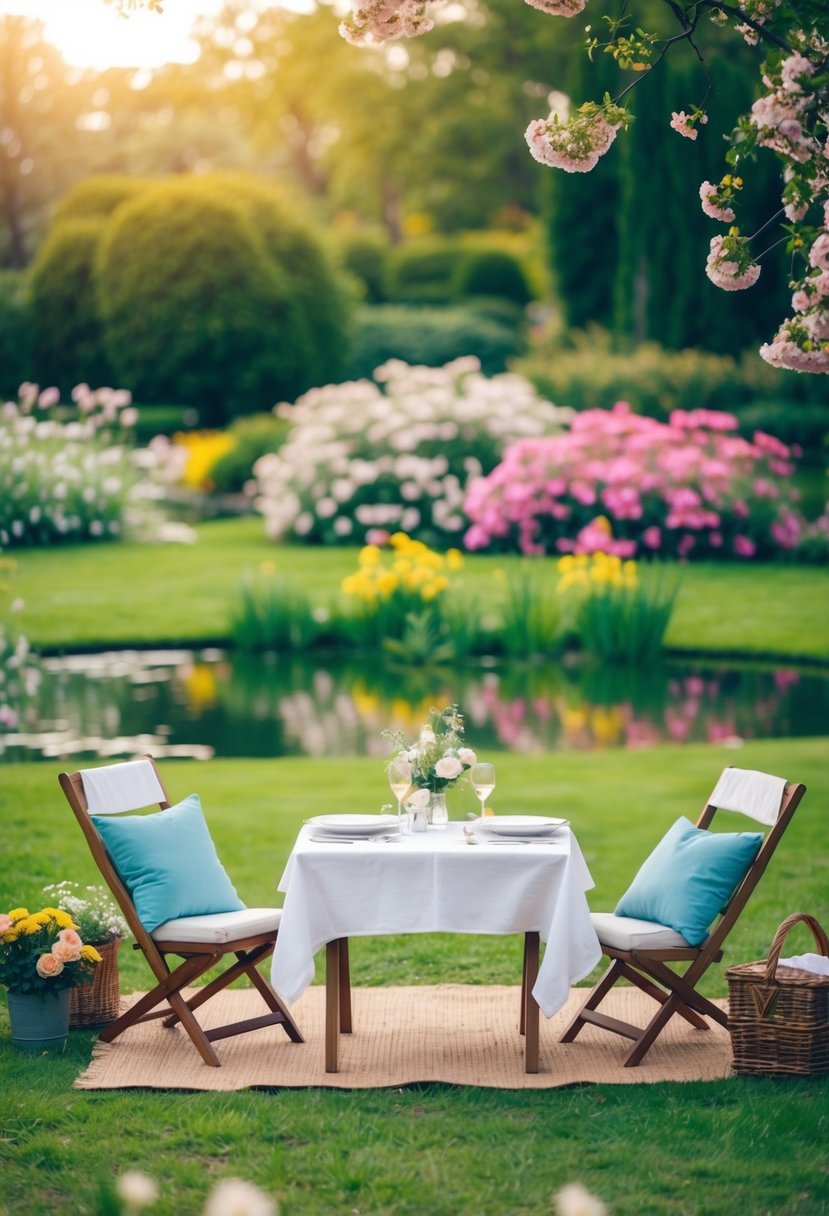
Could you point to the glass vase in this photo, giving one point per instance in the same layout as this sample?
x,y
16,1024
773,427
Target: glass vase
x,y
438,814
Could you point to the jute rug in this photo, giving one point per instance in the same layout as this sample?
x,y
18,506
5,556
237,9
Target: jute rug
x,y
454,1033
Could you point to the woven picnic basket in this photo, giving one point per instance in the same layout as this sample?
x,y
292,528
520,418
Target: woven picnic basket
x,y
98,1002
779,1017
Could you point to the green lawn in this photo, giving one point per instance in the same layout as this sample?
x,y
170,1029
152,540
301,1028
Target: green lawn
x,y
88,595
694,1149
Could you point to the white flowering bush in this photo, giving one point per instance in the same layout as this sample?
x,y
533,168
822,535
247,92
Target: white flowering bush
x,y
64,479
369,458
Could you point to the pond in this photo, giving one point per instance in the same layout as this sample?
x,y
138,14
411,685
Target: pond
x,y
201,703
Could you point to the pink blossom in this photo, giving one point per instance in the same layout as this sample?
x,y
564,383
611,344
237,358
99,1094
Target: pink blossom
x,y
744,547
708,200
652,537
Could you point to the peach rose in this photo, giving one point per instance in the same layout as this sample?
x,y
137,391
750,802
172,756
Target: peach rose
x,y
65,952
48,966
70,938
6,923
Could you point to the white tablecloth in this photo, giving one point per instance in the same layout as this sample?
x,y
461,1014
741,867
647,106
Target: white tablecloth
x,y
433,882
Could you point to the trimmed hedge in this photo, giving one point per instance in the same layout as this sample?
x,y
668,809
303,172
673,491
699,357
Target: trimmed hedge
x,y
16,361
430,337
421,271
213,296
491,272
67,338
365,256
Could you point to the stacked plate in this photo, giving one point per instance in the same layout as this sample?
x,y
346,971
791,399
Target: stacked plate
x,y
352,827
522,826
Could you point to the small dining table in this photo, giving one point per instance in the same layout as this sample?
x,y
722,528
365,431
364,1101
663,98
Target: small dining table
x,y
435,882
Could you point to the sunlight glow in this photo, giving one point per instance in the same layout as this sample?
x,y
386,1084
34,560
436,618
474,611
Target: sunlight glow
x,y
91,34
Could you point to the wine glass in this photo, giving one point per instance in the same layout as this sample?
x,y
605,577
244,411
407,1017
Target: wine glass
x,y
400,780
482,779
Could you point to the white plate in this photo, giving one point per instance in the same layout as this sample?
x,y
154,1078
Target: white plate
x,y
520,825
352,825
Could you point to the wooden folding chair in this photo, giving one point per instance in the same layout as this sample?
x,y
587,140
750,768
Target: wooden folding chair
x,y
641,951
202,942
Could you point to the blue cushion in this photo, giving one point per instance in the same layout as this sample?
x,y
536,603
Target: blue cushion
x,y
168,863
689,877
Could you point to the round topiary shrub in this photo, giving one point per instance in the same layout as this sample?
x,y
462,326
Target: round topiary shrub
x,y
491,272
98,196
211,296
67,339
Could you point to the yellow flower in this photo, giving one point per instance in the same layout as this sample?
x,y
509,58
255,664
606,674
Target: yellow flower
x,y
565,564
64,920
398,540
90,955
30,925
387,583
19,913
454,559
369,555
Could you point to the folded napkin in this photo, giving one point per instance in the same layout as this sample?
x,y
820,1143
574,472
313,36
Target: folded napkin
x,y
817,963
121,787
756,794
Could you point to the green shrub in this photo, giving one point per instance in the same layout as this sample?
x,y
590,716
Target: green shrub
x,y
67,339
365,256
213,297
162,420
429,337
804,423
97,197
491,272
320,293
252,437
16,362
421,271
590,375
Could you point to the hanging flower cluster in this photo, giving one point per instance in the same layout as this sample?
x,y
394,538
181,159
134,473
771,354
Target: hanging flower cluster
x,y
729,264
802,342
575,145
378,21
716,200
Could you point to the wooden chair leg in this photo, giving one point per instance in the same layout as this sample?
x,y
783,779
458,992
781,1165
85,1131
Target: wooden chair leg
x,y
654,1027
522,1022
595,998
529,1005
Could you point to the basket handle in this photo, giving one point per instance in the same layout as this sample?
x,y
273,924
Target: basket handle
x,y
821,940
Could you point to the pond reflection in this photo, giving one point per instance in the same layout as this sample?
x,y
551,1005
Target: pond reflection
x,y
203,703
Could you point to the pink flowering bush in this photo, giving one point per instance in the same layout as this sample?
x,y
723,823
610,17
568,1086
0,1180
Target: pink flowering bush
x,y
621,483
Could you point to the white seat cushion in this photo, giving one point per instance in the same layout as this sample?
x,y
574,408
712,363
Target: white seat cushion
x,y
627,933
219,927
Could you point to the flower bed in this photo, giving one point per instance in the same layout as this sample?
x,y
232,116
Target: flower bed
x,y
366,459
64,480
628,485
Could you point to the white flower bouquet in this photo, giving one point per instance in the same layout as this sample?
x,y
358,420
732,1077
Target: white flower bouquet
x,y
439,757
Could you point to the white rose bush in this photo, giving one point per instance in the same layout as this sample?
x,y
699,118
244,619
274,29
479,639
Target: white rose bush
x,y
370,458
